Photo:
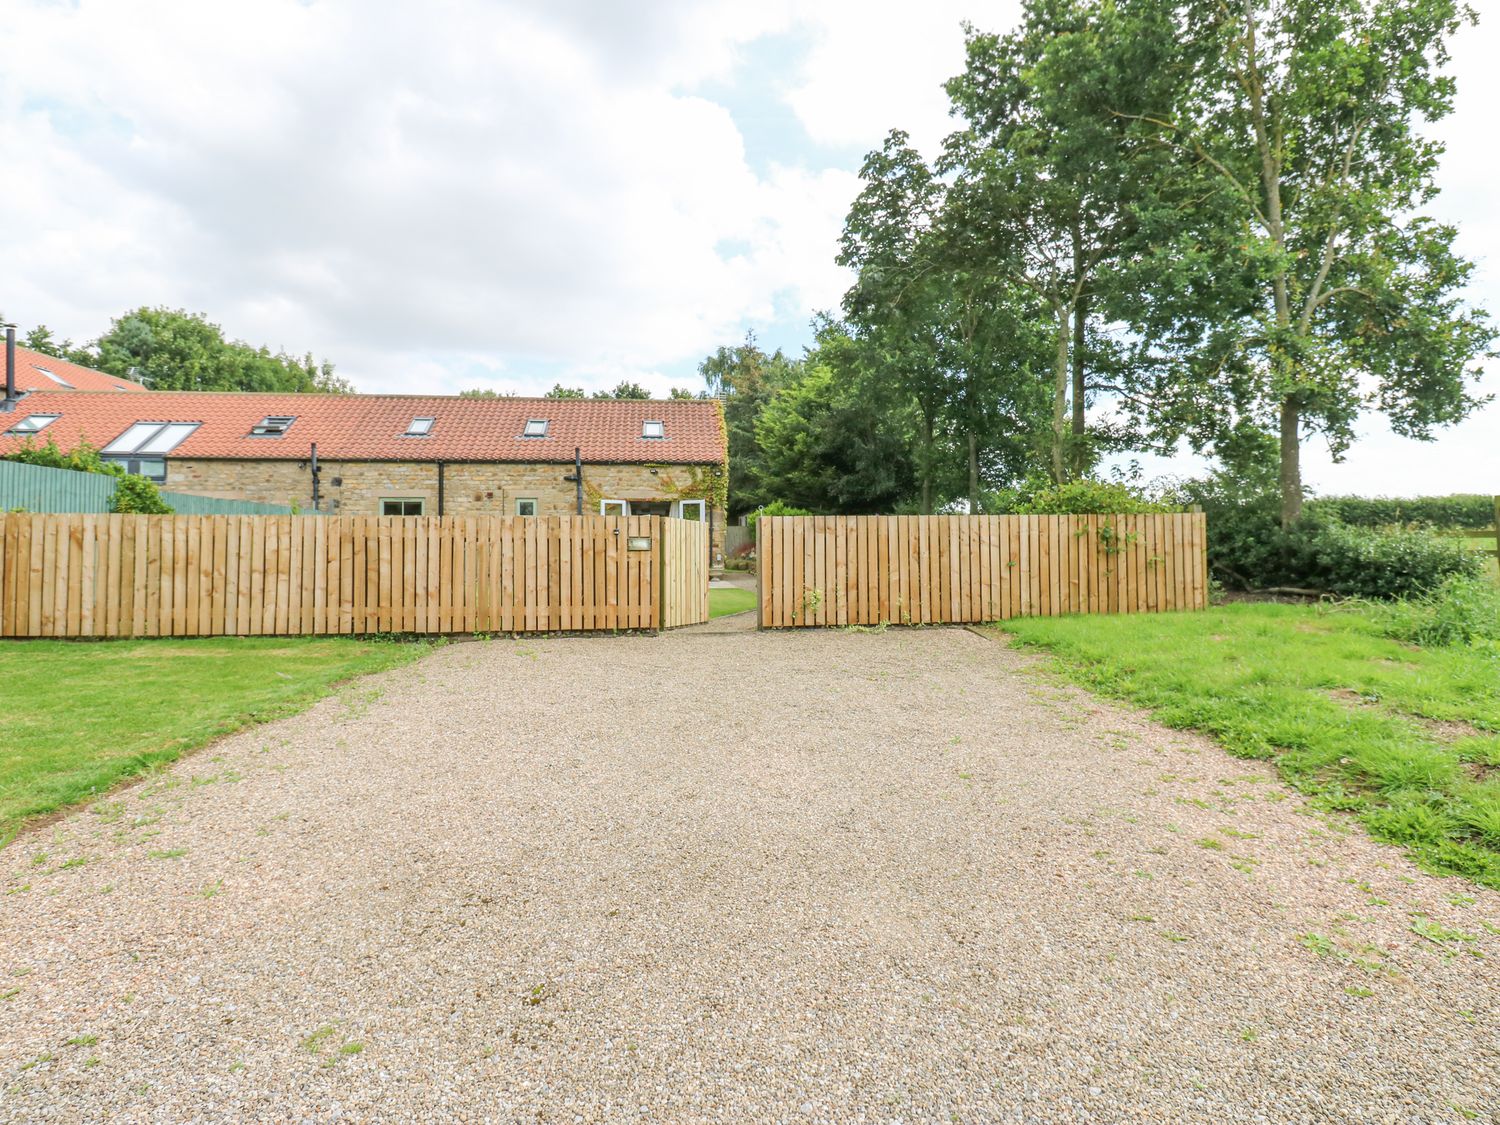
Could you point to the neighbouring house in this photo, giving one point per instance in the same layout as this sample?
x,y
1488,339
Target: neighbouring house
x,y
38,371
402,455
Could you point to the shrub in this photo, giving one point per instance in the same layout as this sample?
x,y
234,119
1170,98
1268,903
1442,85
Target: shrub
x,y
774,508
1464,510
1248,550
1078,497
138,496
1463,610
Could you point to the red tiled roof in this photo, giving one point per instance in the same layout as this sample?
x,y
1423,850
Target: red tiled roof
x,y
30,366
370,427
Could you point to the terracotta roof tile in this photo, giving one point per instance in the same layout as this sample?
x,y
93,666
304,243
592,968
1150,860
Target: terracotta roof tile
x,y
31,368
370,427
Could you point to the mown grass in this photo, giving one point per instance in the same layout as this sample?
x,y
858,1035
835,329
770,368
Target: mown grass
x,y
78,716
722,602
1406,739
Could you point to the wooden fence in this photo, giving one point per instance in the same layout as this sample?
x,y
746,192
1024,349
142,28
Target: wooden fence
x,y
148,576
866,570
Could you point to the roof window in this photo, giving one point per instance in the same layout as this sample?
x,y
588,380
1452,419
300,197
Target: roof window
x,y
149,438
273,426
58,379
33,423
420,427
654,430
535,427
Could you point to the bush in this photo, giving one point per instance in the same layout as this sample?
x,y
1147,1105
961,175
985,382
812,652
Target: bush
x,y
1463,610
1078,497
138,496
774,508
1461,511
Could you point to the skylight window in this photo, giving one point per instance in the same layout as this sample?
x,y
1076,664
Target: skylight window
x,y
654,430
58,379
535,427
153,438
34,423
420,427
273,426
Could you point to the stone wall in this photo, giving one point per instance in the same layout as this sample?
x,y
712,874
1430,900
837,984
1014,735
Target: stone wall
x,y
356,488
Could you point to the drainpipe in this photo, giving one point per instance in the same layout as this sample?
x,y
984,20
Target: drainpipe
x,y
576,478
316,472
440,466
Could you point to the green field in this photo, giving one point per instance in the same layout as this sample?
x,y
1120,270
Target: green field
x,y
1406,739
1486,543
723,602
80,716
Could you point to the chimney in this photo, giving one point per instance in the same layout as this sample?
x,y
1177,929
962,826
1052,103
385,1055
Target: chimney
x,y
10,369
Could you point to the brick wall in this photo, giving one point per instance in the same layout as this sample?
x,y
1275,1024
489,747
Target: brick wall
x,y
356,488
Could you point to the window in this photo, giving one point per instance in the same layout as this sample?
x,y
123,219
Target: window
x,y
693,510
58,379
152,468
149,437
654,430
273,426
614,507
535,427
33,424
420,427
401,506
525,506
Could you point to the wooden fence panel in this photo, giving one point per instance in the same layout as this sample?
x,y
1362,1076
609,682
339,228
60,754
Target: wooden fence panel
x,y
869,570
112,575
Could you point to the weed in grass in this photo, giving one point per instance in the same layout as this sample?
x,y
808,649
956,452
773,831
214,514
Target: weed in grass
x,y
353,1048
10,994
91,1062
1210,843
237,1066
169,853
1319,944
83,1041
1140,918
1248,1035
210,890
44,1057
1174,937
1358,992
1464,1111
1437,933
535,996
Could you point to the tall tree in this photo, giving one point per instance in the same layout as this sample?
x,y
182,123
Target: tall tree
x,y
745,377
173,350
1285,271
1039,178
888,240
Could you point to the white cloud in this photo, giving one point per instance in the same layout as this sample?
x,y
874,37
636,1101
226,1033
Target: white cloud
x,y
465,192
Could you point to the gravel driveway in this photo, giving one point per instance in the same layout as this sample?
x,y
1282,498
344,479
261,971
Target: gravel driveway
x,y
819,876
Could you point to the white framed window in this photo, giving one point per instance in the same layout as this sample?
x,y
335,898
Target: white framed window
x,y
654,430
33,424
535,427
614,507
525,505
696,510
420,427
401,505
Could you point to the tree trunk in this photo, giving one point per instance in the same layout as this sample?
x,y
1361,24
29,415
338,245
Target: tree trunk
x,y
1060,380
973,474
1291,464
926,461
1080,326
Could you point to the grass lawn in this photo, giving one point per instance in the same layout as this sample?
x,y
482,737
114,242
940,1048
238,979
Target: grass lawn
x,y
1407,739
80,716
735,600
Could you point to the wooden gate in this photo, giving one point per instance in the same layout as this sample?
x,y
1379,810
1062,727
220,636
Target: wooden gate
x,y
182,576
868,570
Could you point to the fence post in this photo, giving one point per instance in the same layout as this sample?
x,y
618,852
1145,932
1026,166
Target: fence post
x,y
1497,530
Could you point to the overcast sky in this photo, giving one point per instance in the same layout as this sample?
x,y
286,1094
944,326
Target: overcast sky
x,y
459,194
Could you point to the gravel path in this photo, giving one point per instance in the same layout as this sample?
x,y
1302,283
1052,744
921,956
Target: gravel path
x,y
794,877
